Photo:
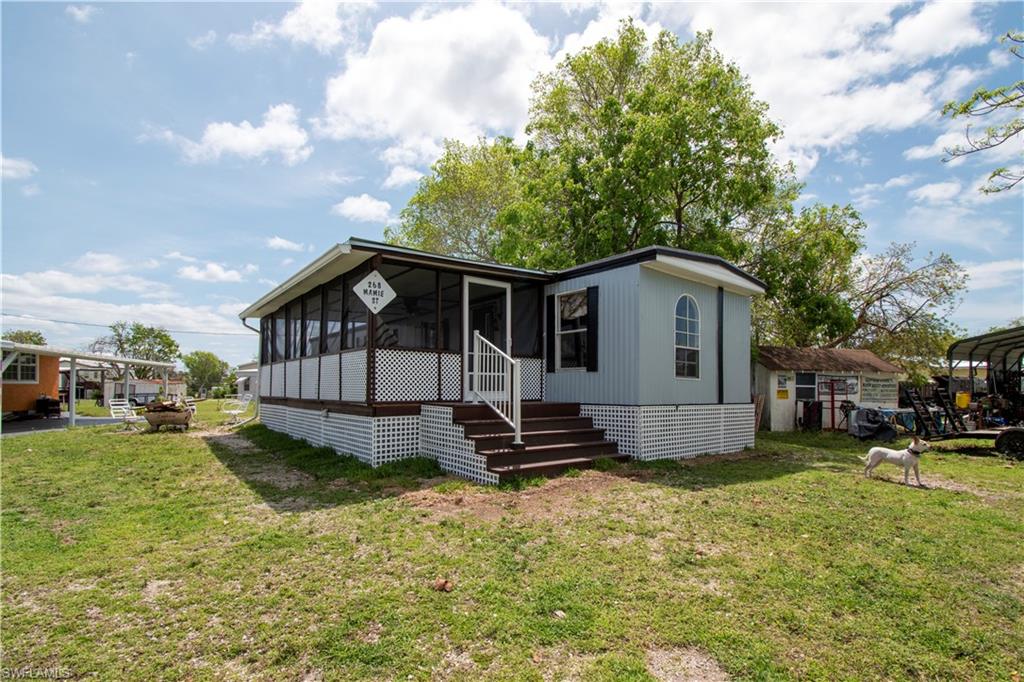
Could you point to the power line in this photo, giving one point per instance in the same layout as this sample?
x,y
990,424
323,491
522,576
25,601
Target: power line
x,y
105,326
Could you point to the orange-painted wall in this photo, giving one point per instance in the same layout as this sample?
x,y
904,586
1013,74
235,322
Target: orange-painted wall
x,y
22,397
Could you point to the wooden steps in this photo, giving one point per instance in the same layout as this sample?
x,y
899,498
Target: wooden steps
x,y
555,438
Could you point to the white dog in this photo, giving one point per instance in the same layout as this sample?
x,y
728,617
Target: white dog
x,y
908,459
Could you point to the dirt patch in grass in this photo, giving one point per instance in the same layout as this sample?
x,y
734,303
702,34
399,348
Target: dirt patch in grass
x,y
279,476
155,588
934,481
226,438
684,665
552,500
558,665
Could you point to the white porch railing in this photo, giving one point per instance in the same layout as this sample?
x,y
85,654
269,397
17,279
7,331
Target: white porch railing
x,y
497,382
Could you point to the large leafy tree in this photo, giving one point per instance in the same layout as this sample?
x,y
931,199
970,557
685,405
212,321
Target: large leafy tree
x,y
1003,108
136,340
456,208
25,336
205,370
659,144
634,144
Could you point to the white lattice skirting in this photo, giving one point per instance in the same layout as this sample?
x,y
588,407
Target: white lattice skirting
x,y
374,440
675,432
446,442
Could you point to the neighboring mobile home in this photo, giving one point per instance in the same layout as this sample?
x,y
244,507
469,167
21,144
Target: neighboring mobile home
x,y
645,354
28,376
788,377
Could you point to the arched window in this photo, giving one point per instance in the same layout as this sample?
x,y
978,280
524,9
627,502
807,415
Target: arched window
x,y
687,338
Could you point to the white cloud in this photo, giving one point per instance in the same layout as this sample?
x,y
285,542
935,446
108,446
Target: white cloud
x,y
456,72
285,262
83,14
178,255
31,190
899,181
854,157
336,178
108,263
211,272
17,169
62,295
363,208
865,195
58,282
279,134
996,274
606,25
954,223
282,244
250,268
401,176
268,282
831,71
323,24
936,192
201,42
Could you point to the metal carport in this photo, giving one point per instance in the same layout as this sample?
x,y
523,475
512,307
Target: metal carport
x,y
12,349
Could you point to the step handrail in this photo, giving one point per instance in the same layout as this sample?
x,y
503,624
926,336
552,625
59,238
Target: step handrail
x,y
497,381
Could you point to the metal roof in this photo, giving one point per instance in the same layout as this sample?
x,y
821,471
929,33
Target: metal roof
x,y
50,351
345,256
823,360
993,347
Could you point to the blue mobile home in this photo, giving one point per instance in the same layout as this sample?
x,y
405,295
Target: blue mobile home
x,y
498,371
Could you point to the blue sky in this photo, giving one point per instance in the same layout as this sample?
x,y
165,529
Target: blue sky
x,y
171,162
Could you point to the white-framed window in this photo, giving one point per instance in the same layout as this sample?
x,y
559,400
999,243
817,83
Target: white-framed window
x,y
571,330
806,386
687,339
23,370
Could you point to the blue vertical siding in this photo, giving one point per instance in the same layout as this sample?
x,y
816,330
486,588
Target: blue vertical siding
x,y
615,382
658,384
736,313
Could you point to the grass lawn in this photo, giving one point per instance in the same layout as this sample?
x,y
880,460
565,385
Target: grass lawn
x,y
218,556
209,411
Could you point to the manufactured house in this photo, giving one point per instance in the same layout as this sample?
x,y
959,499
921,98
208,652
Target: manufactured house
x,y
385,352
30,378
789,378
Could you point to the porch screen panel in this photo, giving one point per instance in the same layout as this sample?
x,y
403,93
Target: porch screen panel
x,y
294,329
311,324
355,318
451,312
279,335
266,339
409,321
526,320
333,317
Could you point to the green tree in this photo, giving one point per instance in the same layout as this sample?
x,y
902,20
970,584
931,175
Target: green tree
x,y
456,208
31,336
1004,105
635,144
205,370
136,340
661,145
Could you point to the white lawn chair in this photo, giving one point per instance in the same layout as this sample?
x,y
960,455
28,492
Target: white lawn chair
x,y
236,407
190,403
121,409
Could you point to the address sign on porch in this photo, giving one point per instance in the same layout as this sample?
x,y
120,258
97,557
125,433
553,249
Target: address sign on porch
x,y
375,292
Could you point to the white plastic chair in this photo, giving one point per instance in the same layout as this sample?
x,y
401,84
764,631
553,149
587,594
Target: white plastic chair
x,y
121,408
236,407
190,403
